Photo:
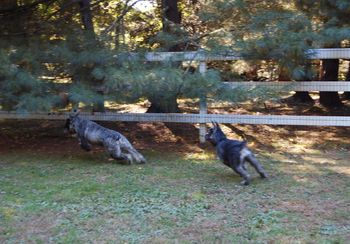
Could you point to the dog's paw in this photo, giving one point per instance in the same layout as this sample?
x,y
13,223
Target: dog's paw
x,y
245,182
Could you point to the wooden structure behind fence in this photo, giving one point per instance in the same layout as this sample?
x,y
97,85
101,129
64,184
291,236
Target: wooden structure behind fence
x,y
203,117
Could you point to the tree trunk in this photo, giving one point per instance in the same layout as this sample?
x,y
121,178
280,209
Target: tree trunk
x,y
302,97
330,68
299,96
86,18
90,39
14,24
163,105
346,94
171,16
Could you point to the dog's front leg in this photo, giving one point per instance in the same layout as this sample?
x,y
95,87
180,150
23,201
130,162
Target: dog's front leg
x,y
136,155
121,156
84,144
244,174
115,152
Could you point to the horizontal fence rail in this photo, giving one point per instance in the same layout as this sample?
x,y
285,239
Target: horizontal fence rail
x,y
294,85
285,85
329,53
192,118
320,53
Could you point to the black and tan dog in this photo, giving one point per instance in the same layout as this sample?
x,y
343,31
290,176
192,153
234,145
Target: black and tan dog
x,y
89,132
233,153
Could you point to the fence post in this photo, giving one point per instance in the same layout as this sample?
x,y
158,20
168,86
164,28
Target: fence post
x,y
202,106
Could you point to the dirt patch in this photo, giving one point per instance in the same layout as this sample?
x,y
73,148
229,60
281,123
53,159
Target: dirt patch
x,y
48,137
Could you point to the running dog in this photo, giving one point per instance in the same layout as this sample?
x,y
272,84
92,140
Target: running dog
x,y
89,132
233,153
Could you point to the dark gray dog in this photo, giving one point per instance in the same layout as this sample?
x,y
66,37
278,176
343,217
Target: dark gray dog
x,y
117,146
233,153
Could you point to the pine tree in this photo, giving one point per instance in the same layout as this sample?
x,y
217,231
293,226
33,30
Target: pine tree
x,y
331,21
281,32
45,49
165,100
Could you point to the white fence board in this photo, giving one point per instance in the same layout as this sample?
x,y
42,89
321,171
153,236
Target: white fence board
x,y
194,118
295,85
191,56
320,53
329,53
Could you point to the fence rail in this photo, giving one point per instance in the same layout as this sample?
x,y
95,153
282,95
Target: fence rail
x,y
295,85
192,118
319,53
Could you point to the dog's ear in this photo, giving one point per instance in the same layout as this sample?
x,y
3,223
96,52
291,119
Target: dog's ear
x,y
216,125
75,112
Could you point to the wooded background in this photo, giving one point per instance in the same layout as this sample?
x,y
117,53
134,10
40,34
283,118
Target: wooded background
x,y
55,53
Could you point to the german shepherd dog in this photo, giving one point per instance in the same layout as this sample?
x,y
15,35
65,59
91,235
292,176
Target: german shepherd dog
x,y
89,132
233,153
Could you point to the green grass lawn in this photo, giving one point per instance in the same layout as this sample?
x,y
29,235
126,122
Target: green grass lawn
x,y
175,198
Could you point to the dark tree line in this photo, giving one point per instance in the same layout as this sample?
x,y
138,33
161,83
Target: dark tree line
x,y
76,49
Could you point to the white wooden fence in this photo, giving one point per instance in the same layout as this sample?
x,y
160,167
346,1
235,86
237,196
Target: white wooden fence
x,y
203,117
191,118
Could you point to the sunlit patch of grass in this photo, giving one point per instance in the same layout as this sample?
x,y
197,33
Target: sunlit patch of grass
x,y
319,159
306,169
204,157
300,179
127,108
342,170
7,213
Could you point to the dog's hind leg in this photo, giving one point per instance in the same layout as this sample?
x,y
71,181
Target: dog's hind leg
x,y
244,174
136,155
121,156
255,163
115,152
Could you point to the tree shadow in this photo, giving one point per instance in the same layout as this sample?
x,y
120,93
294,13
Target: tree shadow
x,y
260,143
184,131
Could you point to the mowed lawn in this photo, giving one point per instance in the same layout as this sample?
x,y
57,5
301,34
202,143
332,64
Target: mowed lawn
x,y
175,198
